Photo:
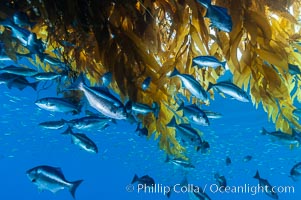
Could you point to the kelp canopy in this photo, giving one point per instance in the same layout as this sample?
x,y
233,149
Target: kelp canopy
x,y
137,39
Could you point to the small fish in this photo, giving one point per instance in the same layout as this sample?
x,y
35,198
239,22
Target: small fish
x,y
53,124
231,90
21,19
218,16
46,76
186,132
221,181
16,81
54,104
90,122
212,115
191,84
207,61
204,147
144,180
295,172
101,100
267,186
247,158
52,179
286,138
146,83
139,108
228,161
179,162
21,71
82,141
194,114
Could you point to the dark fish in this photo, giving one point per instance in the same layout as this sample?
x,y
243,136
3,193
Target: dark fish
x,y
22,71
204,147
247,158
267,186
144,180
186,132
198,193
145,83
52,60
21,19
231,90
101,100
106,79
52,179
218,16
54,104
228,161
295,172
180,162
53,124
16,81
46,76
90,122
221,181
82,141
191,84
194,114
207,61
290,139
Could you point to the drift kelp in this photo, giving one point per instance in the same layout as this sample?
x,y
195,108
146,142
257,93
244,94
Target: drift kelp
x,y
135,40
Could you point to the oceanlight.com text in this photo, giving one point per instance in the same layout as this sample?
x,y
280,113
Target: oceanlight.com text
x,y
209,188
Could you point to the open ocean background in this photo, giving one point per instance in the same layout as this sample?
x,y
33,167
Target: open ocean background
x,y
122,153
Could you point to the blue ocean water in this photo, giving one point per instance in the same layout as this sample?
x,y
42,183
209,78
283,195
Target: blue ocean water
x,y
122,154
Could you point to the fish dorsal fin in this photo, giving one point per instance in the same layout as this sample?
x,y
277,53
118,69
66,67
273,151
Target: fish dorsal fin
x,y
186,125
59,169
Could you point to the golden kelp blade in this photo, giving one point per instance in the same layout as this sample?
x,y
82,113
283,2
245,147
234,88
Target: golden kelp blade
x,y
138,39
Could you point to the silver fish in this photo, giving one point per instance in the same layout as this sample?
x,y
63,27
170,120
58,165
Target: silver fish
x,y
54,104
208,61
194,114
90,122
231,90
82,141
46,76
52,179
53,124
101,100
191,84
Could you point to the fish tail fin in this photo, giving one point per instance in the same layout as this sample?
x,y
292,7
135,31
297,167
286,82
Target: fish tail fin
x,y
172,122
175,72
135,179
138,127
209,86
264,131
34,85
257,175
74,186
68,131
